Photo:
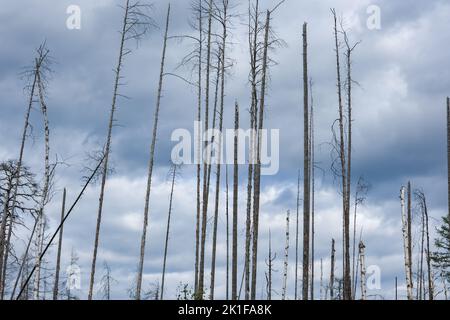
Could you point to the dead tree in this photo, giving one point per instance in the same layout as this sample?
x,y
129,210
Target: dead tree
x,y
218,167
173,173
331,284
363,270
235,206
360,196
405,245
448,155
106,282
269,263
45,187
312,181
41,67
424,209
58,256
286,259
151,159
135,25
306,169
227,218
321,279
206,165
296,237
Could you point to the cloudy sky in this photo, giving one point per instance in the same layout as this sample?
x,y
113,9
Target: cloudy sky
x,y
399,128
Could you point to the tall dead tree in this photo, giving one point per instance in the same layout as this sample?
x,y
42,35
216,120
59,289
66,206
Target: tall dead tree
x,y
135,25
363,270
257,173
331,284
306,169
321,279
409,225
408,274
173,175
218,167
286,259
448,156
227,221
253,27
269,263
312,181
58,255
41,67
206,165
45,186
296,237
235,206
151,159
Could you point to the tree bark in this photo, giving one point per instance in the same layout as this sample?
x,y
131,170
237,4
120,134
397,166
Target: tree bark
x,y
333,252
235,205
405,245
286,259
363,270
296,238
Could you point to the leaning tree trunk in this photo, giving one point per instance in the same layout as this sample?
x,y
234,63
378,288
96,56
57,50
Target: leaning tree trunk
x,y
306,170
58,256
428,252
151,161
257,177
333,252
405,246
169,215
363,270
286,259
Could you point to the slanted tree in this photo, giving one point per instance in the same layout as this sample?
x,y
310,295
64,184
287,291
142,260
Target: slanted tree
x,y
58,255
136,23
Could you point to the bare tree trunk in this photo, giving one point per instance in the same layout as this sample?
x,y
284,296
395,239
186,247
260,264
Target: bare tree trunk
x,y
5,262
306,170
45,188
428,252
199,112
235,206
396,289
286,258
296,238
363,270
253,43
200,287
405,244
409,219
257,177
333,252
321,279
228,236
42,55
311,151
166,245
107,152
420,264
151,160
269,263
217,195
448,155
58,256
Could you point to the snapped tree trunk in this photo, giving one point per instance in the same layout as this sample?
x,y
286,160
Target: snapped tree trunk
x,y
58,256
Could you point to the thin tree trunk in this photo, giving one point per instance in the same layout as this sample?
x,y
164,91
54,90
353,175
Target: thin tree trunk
x,y
58,256
420,267
166,245
228,235
217,195
306,170
448,155
199,112
409,219
269,263
405,244
253,38
151,160
296,238
363,270
107,151
286,258
235,205
428,252
5,262
321,279
257,177
311,150
46,186
201,276
333,252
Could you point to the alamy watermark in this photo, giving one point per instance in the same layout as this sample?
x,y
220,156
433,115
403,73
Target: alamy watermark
x,y
213,146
